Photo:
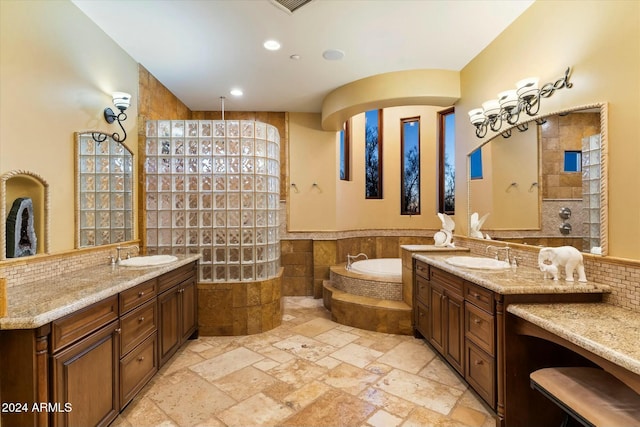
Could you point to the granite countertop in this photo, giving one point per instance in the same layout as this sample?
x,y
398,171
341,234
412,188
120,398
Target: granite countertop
x,y
610,332
34,304
522,280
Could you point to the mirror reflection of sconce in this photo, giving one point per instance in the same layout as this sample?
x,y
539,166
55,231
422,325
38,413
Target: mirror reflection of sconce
x,y
507,108
122,101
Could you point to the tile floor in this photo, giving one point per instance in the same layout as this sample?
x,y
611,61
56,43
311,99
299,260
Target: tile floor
x,y
309,371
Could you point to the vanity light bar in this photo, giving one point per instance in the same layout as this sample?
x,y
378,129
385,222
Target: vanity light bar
x,y
510,103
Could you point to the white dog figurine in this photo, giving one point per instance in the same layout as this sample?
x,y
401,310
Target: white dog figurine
x,y
564,256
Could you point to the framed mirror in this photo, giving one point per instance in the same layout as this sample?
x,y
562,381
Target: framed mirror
x,y
546,183
104,191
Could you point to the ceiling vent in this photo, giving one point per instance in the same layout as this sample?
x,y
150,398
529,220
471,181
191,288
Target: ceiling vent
x,y
289,6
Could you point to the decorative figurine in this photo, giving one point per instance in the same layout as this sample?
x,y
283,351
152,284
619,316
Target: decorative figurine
x,y
443,237
475,225
564,256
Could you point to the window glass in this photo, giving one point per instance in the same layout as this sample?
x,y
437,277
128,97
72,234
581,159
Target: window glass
x,y
447,155
410,168
373,154
476,164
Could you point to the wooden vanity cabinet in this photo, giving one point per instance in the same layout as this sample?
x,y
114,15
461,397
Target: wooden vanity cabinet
x,y
439,310
138,343
480,341
421,301
84,366
451,314
446,305
177,311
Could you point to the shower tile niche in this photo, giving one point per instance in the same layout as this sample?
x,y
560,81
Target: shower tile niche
x,y
213,187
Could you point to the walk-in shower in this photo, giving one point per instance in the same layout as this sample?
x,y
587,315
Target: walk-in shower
x,y
212,187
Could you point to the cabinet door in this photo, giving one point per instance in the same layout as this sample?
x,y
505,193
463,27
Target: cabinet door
x,y
169,333
436,317
455,332
85,380
189,307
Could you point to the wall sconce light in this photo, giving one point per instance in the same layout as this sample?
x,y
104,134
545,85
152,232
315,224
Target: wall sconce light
x,y
507,108
122,101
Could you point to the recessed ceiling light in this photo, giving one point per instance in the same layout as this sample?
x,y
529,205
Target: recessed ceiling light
x,y
271,45
333,54
236,92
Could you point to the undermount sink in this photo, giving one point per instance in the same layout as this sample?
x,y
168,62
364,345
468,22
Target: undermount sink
x,y
148,261
478,263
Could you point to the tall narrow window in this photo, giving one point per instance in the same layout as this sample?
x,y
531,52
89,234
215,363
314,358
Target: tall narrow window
x,y
373,154
345,152
475,164
410,168
447,155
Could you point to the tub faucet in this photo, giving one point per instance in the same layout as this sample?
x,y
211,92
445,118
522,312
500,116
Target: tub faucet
x,y
506,249
119,248
350,259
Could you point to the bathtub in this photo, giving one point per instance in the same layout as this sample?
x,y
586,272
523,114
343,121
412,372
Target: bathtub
x,y
388,268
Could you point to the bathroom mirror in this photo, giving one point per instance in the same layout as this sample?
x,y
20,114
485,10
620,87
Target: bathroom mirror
x,y
525,181
104,190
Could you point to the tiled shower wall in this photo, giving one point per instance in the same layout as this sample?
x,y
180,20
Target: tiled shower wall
x,y
212,187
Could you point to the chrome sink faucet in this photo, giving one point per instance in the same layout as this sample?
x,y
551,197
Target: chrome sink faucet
x,y
120,248
506,249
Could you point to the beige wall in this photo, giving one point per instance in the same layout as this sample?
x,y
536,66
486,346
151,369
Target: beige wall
x,y
312,159
341,205
57,73
600,40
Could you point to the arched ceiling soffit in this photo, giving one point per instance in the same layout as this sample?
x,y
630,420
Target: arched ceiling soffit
x,y
398,88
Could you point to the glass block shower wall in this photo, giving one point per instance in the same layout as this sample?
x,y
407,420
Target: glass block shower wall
x,y
591,190
213,187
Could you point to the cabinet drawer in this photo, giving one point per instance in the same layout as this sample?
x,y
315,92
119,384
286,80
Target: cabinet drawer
x,y
137,368
137,295
479,297
480,328
73,327
422,290
422,269
137,325
176,276
480,372
422,319
451,283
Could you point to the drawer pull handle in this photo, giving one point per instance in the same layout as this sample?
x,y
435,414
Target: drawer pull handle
x,y
475,295
141,319
140,294
477,321
118,330
477,362
140,359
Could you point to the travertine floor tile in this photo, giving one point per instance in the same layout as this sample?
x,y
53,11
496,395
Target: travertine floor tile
x,y
422,392
190,399
356,355
349,378
226,363
308,372
257,410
